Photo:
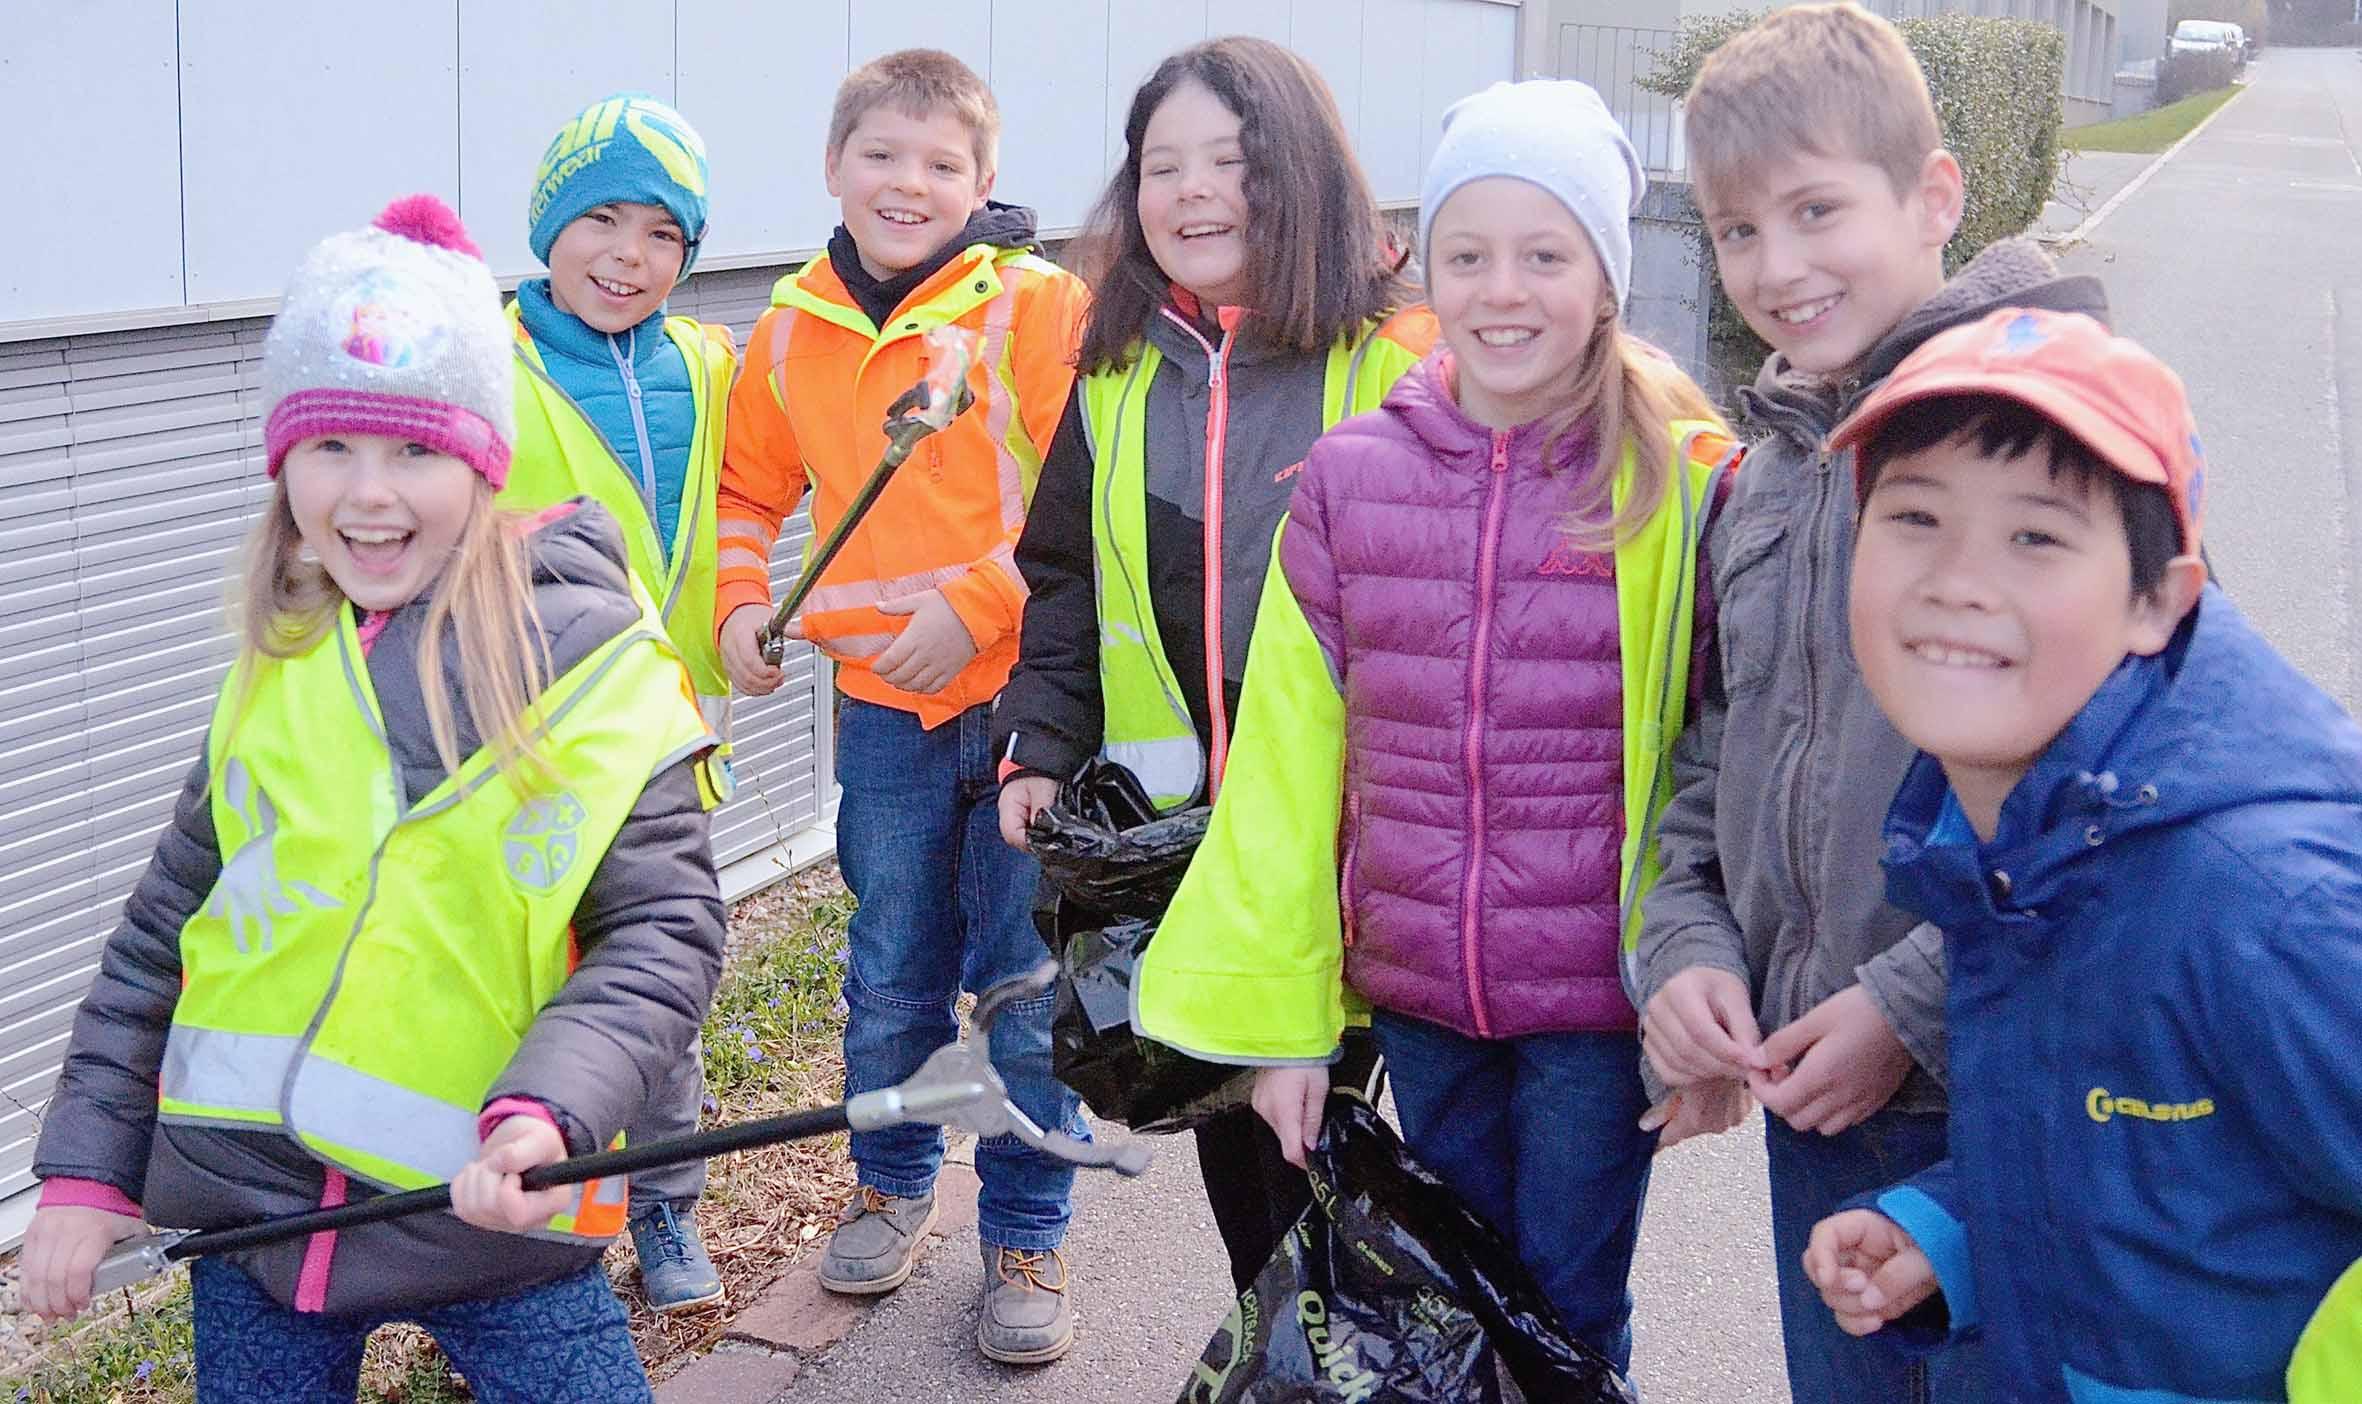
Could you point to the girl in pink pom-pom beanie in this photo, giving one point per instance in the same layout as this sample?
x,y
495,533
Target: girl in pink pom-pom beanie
x,y
436,904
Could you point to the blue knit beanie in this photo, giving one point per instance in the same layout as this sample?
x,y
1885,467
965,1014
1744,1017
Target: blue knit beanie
x,y
625,148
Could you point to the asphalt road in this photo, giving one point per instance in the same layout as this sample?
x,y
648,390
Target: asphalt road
x,y
2239,262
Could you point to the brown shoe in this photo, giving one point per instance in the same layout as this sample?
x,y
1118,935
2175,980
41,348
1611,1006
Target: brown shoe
x,y
876,1242
1025,1319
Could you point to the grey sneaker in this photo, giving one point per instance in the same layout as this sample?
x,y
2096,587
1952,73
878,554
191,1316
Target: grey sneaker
x,y
876,1242
674,1270
1025,1319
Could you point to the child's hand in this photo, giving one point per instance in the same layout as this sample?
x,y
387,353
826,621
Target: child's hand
x,y
1869,1270
487,1193
1700,1109
62,1247
1699,1027
930,651
1832,1068
1289,1101
1021,799
742,650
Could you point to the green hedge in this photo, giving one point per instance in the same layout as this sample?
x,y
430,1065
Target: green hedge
x,y
1998,89
2185,75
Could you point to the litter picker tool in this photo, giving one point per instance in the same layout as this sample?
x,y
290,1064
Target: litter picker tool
x,y
919,411
955,1087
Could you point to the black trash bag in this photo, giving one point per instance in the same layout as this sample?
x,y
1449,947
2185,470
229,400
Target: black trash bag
x,y
1390,1288
1113,866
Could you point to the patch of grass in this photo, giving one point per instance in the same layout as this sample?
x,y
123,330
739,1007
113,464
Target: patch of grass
x,y
2149,132
142,1355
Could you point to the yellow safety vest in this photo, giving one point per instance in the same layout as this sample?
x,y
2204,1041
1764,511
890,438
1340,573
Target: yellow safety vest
x,y
2327,1367
1269,860
1147,725
361,973
560,454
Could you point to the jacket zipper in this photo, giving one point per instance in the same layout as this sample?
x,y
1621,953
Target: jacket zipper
x,y
1471,888
631,390
1346,888
1804,746
1217,440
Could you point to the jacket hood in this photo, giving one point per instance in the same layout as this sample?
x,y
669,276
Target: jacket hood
x,y
1424,403
2173,739
2010,273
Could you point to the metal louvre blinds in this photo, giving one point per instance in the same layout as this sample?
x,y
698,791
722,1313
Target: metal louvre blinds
x,y
130,467
778,743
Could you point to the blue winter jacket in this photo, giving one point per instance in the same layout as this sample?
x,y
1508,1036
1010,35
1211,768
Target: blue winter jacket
x,y
2155,1010
634,389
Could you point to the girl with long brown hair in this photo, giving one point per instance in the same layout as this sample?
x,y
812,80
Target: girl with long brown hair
x,y
1244,299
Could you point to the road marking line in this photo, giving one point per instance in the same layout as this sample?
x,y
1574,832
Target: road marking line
x,y
2340,187
2083,231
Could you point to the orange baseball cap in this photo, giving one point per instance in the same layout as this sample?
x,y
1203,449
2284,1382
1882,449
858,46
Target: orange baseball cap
x,y
2124,404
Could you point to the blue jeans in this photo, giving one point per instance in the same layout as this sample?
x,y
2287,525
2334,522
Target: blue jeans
x,y
1811,1175
565,1340
1540,1135
944,905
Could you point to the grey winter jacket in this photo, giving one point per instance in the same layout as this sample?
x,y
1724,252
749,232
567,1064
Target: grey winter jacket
x,y
1771,841
650,933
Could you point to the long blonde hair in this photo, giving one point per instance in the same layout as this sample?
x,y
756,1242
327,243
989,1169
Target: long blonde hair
x,y
1631,393
288,602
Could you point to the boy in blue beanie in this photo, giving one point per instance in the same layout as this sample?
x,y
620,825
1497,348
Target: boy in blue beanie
x,y
618,402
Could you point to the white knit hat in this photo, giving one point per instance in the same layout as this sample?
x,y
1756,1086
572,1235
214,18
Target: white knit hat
x,y
397,330
1554,133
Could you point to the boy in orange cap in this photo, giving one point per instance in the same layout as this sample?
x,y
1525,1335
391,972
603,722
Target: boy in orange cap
x,y
2140,830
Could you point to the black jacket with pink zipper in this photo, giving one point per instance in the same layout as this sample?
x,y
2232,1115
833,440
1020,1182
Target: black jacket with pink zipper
x,y
1048,719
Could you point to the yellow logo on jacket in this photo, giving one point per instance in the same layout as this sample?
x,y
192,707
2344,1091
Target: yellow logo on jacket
x,y
2101,1106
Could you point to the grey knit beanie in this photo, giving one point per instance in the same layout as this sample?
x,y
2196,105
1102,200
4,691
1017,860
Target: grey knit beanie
x,y
1554,133
396,330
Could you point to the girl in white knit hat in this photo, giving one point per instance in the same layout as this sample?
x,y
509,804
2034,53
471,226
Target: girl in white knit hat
x,y
1457,717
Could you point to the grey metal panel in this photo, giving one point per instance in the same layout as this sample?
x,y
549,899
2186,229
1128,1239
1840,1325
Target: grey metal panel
x,y
130,471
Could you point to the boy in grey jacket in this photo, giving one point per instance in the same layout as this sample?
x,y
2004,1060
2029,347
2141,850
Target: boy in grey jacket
x,y
1767,953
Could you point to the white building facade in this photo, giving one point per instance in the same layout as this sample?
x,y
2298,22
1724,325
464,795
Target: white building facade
x,y
171,162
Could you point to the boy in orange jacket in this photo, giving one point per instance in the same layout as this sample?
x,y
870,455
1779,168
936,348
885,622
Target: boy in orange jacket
x,y
920,614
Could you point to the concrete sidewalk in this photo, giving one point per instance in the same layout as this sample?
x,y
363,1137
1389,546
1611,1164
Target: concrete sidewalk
x,y
1152,1284
2238,264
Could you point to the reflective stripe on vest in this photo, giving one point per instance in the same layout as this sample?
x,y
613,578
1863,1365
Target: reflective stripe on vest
x,y
1147,725
330,883
1017,461
561,454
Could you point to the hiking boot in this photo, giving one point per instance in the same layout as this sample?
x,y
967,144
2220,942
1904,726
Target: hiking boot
x,y
876,1242
1025,1319
675,1273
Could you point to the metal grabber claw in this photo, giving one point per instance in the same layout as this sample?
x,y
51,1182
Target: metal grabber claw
x,y
956,1086
941,397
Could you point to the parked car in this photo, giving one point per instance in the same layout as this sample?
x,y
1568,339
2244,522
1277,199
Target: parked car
x,y
2197,36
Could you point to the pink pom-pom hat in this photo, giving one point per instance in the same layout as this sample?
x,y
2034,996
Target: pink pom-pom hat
x,y
396,330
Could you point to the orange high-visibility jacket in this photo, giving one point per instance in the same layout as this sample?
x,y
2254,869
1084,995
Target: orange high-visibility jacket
x,y
809,410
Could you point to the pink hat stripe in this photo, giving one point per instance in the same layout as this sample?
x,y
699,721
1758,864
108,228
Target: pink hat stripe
x,y
445,428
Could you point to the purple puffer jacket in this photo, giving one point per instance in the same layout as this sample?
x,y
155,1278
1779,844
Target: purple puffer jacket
x,y
1477,653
